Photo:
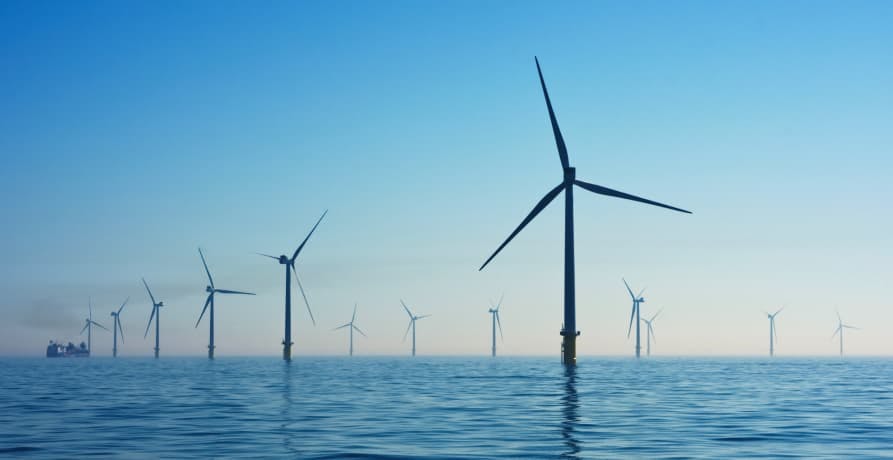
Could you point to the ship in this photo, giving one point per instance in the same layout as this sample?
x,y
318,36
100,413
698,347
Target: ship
x,y
57,350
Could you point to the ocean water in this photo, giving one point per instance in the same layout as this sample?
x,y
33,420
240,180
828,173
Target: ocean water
x,y
365,407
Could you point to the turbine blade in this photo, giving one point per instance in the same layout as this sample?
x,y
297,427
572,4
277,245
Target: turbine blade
x,y
211,280
298,251
406,308
651,329
85,328
559,139
151,317
641,292
360,331
628,289
836,331
499,304
655,315
303,294
267,255
207,302
499,323
90,306
341,327
121,330
226,291
626,196
536,210
150,294
122,305
850,327
354,317
423,316
632,316
407,330
99,325
779,311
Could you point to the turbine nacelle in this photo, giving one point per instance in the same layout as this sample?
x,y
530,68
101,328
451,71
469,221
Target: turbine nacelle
x,y
570,175
209,289
283,260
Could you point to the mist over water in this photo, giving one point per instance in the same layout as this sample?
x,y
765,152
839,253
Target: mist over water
x,y
446,407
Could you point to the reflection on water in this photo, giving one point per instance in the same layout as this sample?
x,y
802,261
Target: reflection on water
x,y
570,410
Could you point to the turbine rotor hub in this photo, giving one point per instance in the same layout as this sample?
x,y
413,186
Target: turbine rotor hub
x,y
283,260
209,289
570,174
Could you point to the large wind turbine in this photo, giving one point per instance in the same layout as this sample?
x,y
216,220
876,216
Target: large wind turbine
x,y
839,330
117,327
494,312
569,329
289,269
352,326
211,290
88,326
773,334
638,300
156,314
412,320
650,331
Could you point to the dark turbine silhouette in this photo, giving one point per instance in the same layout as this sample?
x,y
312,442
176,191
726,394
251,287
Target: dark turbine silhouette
x,y
289,269
494,313
839,330
412,320
88,326
352,326
116,327
156,315
638,300
211,290
773,334
650,330
569,329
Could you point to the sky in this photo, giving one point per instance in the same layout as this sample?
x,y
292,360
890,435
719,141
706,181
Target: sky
x,y
132,133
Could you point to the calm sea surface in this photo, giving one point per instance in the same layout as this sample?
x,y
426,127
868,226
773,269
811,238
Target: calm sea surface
x,y
445,407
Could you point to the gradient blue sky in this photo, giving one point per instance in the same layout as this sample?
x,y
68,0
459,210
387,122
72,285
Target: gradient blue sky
x,y
133,132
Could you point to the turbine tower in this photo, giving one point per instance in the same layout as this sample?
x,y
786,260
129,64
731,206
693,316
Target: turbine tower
x,y
494,312
116,315
412,320
839,330
569,328
773,334
352,326
650,331
638,300
88,326
289,269
156,314
211,290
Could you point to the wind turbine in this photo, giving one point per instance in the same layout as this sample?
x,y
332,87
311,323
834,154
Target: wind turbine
x,y
352,326
650,331
638,300
117,327
773,334
156,314
290,263
569,328
88,326
494,312
211,290
839,330
412,320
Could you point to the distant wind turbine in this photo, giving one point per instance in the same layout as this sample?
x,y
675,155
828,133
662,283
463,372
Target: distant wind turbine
x,y
211,290
412,320
650,331
638,300
352,326
156,314
839,330
117,327
773,334
290,264
88,326
494,312
569,328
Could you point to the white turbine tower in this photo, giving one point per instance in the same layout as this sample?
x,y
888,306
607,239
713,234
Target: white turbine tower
x,y
352,326
494,312
839,330
412,320
773,334
650,331
638,300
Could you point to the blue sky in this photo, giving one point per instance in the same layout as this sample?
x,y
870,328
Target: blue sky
x,y
131,133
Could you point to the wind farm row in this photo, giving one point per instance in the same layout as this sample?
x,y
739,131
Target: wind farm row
x,y
568,332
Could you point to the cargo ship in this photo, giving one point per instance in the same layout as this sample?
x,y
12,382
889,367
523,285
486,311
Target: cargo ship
x,y
57,350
